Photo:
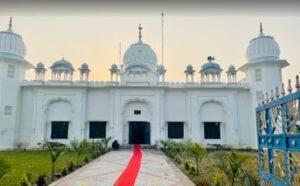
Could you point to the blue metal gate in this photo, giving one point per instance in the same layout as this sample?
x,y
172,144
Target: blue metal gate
x,y
278,127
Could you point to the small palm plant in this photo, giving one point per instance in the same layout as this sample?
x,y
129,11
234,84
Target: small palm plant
x,y
234,167
78,148
97,149
197,152
54,154
105,142
4,168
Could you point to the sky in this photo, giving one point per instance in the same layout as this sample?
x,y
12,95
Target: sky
x,y
91,34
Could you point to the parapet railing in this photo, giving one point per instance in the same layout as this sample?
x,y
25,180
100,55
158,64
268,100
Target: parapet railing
x,y
278,128
116,83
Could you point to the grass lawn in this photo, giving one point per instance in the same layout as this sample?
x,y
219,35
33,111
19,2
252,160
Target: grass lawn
x,y
33,162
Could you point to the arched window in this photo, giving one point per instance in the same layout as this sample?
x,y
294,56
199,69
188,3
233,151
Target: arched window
x,y
212,117
59,116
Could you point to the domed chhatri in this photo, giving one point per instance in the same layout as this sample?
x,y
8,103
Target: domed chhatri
x,y
62,67
210,71
232,70
40,71
40,65
11,44
114,71
139,53
231,74
189,72
84,66
84,72
262,48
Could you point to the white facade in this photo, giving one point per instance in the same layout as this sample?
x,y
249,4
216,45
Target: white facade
x,y
137,93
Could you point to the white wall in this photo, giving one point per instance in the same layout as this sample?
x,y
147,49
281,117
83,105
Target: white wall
x,y
116,104
9,96
46,104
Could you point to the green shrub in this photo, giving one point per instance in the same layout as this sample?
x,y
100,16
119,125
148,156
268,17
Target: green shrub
x,y
212,166
64,172
26,180
41,180
55,150
171,148
86,159
97,149
177,160
70,166
193,171
187,166
197,153
79,148
105,142
234,166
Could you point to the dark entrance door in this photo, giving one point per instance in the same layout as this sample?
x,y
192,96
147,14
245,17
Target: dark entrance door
x,y
139,132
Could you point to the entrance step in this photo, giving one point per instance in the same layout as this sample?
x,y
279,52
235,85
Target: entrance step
x,y
143,146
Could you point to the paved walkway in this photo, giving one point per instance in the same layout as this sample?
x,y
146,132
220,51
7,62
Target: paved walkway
x,y
155,170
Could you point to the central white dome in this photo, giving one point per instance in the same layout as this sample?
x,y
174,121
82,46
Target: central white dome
x,y
262,48
139,53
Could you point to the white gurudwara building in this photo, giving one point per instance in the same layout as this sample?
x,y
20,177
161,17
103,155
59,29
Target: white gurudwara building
x,y
137,105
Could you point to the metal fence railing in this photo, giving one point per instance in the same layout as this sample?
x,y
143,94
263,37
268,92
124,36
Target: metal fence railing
x,y
278,127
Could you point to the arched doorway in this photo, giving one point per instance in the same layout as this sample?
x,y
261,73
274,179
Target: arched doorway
x,y
137,122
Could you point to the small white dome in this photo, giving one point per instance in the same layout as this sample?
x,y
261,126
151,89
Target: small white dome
x,y
11,44
210,67
189,69
114,66
231,70
262,48
84,66
40,65
139,53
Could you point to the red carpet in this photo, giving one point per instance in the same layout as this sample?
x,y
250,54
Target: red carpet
x,y
129,175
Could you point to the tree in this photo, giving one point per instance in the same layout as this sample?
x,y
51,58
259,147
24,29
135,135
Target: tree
x,y
78,148
54,154
197,152
4,168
